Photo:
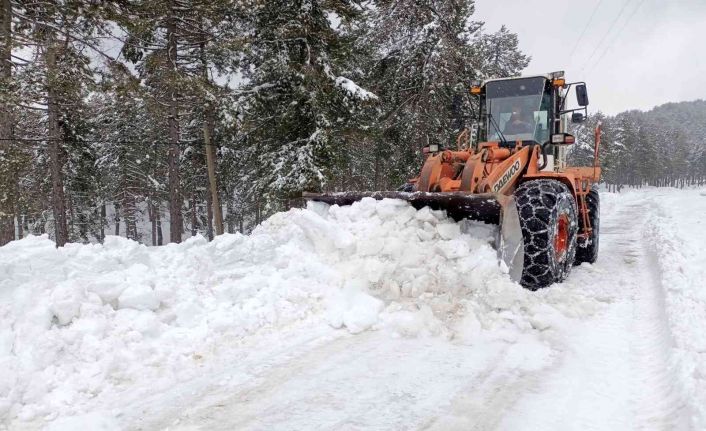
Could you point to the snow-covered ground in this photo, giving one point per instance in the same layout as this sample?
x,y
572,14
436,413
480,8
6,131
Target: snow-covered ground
x,y
375,316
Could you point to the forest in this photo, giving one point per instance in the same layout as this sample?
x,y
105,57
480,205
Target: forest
x,y
163,119
663,147
156,120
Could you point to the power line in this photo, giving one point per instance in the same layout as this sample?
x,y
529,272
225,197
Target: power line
x,y
617,36
590,20
625,5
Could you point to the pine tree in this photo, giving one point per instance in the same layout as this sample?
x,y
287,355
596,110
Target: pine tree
x,y
426,55
54,80
300,106
175,45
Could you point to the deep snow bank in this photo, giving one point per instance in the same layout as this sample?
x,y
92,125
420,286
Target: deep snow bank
x,y
88,319
83,326
678,237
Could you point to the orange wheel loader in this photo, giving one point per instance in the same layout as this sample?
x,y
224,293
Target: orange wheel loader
x,y
510,169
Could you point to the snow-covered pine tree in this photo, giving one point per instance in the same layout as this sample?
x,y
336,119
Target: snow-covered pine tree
x,y
426,53
302,102
582,152
52,77
176,44
132,167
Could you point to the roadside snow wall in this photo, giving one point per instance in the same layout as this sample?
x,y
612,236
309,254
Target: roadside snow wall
x,y
677,237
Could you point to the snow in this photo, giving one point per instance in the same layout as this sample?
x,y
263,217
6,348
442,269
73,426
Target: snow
x,y
354,90
324,314
676,231
85,323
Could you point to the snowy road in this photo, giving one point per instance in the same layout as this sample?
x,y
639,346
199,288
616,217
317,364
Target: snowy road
x,y
610,371
620,345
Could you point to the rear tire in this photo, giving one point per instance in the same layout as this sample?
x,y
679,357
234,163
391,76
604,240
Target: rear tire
x,y
547,212
587,249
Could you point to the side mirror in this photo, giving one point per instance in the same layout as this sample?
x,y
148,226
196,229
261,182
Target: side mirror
x,y
577,118
563,139
582,95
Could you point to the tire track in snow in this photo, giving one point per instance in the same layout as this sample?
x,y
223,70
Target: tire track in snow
x,y
367,381
483,405
615,371
651,352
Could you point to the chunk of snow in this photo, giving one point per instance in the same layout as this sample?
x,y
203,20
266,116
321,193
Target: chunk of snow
x,y
449,230
139,297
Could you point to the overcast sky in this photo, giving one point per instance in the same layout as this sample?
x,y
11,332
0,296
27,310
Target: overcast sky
x,y
652,53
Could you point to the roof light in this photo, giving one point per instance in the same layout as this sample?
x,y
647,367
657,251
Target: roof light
x,y
475,86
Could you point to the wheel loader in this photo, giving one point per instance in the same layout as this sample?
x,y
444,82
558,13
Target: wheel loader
x,y
510,169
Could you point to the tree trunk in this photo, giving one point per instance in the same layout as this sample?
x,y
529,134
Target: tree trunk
x,y
176,225
104,222
153,220
209,148
230,218
129,208
376,172
117,218
209,217
18,212
72,218
194,218
55,137
211,167
7,180
160,237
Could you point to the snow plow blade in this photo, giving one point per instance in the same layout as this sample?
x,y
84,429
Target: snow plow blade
x,y
458,205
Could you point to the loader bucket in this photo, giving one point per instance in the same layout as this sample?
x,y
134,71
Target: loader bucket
x,y
489,208
458,205
510,243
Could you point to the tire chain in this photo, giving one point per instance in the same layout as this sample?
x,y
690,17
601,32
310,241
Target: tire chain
x,y
539,202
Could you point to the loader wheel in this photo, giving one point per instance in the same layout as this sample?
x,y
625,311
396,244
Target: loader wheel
x,y
587,249
547,212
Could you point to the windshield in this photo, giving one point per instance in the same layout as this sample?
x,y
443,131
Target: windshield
x,y
519,108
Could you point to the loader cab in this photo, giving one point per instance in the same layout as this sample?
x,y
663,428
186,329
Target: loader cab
x,y
517,109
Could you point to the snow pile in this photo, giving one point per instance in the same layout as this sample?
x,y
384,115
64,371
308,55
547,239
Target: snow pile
x,y
81,325
678,237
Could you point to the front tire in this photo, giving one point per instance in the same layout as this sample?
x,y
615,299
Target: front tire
x,y
548,220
